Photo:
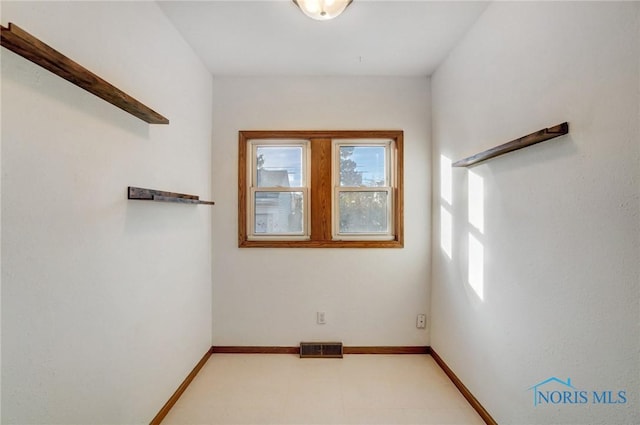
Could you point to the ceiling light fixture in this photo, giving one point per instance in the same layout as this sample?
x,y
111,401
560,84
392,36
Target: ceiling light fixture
x,y
322,10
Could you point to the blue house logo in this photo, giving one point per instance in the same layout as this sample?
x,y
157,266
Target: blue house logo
x,y
553,397
555,391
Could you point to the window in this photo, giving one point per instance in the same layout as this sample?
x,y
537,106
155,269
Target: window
x,y
279,190
362,190
320,189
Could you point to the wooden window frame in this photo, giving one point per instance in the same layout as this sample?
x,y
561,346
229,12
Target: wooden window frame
x,y
321,189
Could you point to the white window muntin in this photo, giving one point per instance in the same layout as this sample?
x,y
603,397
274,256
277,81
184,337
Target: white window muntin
x,y
390,159
252,180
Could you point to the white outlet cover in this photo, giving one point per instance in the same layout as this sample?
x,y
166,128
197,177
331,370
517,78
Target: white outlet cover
x,y
421,321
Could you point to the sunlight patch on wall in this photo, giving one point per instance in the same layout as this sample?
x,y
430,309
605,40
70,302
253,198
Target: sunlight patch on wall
x,y
476,201
476,266
446,228
446,196
446,180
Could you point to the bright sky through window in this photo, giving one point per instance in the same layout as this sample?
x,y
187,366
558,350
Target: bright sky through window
x,y
278,158
370,163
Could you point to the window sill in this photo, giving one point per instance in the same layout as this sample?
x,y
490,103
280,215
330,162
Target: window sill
x,y
320,244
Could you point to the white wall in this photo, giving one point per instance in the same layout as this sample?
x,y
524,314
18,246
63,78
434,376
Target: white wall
x,y
271,296
106,303
561,219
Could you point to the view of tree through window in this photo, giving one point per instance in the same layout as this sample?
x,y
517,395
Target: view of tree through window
x,y
362,166
363,211
349,176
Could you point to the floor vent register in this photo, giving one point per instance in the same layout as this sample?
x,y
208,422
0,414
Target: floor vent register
x,y
321,350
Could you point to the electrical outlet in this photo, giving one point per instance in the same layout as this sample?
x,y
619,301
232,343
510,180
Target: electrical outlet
x,y
421,321
320,318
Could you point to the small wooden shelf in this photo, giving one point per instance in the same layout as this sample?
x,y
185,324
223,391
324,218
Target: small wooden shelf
x,y
522,142
141,194
29,47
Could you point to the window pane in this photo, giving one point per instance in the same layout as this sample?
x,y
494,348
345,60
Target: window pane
x,y
278,212
363,166
363,212
279,166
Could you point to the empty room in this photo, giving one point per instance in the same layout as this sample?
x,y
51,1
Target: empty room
x,y
320,212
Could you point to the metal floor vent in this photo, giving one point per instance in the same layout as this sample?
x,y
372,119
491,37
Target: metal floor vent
x,y
321,349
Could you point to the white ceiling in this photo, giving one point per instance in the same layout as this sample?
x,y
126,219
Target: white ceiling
x,y
274,38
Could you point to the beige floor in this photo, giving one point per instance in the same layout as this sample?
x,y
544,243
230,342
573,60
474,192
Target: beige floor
x,y
358,389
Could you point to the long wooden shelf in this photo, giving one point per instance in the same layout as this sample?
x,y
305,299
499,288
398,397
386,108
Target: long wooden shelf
x,y
142,194
522,142
29,47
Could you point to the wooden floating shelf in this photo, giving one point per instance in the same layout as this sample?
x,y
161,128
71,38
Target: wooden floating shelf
x,y
141,194
523,142
29,47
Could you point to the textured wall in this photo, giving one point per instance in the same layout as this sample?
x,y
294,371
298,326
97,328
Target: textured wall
x,y
106,303
559,245
271,296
